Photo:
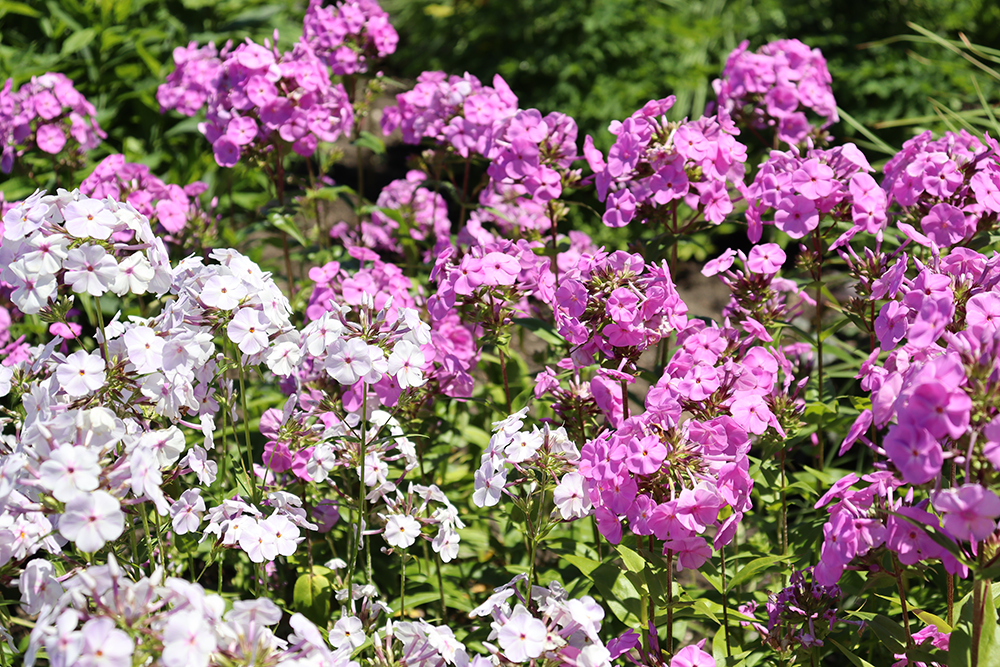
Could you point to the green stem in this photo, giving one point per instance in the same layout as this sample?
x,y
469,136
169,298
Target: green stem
x,y
402,586
670,601
257,492
361,497
100,323
725,602
503,371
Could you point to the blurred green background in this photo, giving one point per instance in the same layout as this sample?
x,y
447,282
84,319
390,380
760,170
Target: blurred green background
x,y
595,60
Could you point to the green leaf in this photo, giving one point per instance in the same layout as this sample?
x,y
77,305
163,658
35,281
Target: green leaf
x,y
312,597
857,661
18,8
619,593
370,141
752,568
585,565
868,134
931,619
960,643
79,40
286,224
889,631
543,330
633,561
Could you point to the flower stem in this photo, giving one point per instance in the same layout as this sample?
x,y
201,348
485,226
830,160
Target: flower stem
x,y
906,613
361,499
725,602
670,601
503,371
258,493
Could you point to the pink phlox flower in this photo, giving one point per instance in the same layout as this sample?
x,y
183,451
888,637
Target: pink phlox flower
x,y
969,512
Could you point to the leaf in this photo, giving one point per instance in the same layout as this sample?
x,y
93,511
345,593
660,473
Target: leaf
x,y
752,568
585,565
618,592
286,224
18,8
370,141
960,643
543,330
857,661
931,619
868,134
633,561
889,631
312,597
79,40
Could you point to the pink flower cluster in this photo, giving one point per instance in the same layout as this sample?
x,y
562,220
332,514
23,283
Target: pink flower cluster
x,y
531,153
797,190
174,208
775,86
615,306
950,187
655,164
259,100
670,477
458,112
47,113
424,212
349,34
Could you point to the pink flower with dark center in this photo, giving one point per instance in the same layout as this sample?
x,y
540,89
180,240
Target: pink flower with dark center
x,y
796,216
969,512
645,455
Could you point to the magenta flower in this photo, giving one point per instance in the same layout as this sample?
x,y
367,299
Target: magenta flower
x,y
751,413
969,512
608,525
915,453
645,455
766,259
796,216
50,138
945,225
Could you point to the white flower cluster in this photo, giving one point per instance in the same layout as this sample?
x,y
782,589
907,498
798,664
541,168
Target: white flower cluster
x,y
566,629
92,246
545,448
98,616
236,523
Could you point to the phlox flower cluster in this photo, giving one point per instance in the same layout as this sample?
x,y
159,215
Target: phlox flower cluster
x,y
656,164
346,36
258,99
172,207
406,515
533,154
800,615
458,112
947,188
614,306
47,113
546,451
444,353
563,629
758,296
488,284
424,212
237,524
775,86
796,191
68,240
867,523
99,616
